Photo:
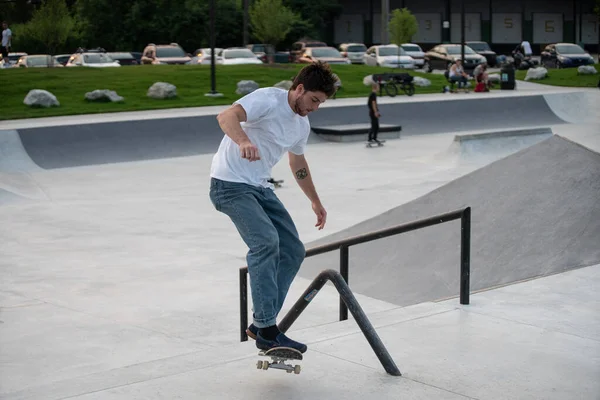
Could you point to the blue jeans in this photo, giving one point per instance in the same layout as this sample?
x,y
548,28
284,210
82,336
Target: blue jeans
x,y
461,80
275,250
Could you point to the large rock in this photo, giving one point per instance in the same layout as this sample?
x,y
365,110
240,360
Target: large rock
x,y
494,78
536,73
286,85
368,80
41,98
338,81
245,87
419,81
162,90
103,95
586,70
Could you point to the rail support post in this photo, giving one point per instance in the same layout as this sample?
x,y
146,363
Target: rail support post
x,y
354,307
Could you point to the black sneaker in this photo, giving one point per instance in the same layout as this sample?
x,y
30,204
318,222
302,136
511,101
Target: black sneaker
x,y
252,331
280,341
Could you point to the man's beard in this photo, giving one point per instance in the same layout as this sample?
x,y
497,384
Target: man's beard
x,y
299,108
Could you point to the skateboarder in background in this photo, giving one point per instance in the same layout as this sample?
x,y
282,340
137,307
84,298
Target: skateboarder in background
x,y
259,129
373,114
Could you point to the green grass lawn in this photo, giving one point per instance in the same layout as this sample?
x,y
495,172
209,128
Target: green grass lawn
x,y
565,77
69,85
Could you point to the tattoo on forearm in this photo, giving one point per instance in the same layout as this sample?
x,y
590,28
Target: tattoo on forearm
x,y
301,173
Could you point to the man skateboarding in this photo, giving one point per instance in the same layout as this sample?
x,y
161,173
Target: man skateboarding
x,y
259,129
373,114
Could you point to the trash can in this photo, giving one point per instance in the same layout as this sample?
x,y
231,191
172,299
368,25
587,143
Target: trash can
x,y
507,77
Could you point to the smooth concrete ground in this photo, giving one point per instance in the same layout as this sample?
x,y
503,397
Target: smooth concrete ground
x,y
119,281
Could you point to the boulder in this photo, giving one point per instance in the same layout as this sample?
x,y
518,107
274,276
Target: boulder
x,y
338,81
162,90
536,73
586,70
419,81
245,87
494,78
41,98
368,80
103,95
286,85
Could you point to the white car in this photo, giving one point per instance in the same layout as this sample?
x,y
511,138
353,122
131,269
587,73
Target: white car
x,y
236,56
389,55
95,60
416,52
202,56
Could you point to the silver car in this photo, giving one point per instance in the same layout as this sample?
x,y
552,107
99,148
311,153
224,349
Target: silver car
x,y
416,52
354,52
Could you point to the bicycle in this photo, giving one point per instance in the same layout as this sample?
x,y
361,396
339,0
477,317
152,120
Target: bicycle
x,y
391,82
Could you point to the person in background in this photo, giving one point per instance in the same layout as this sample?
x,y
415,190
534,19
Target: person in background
x,y
6,43
373,113
458,75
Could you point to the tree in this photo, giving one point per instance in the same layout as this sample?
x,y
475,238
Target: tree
x,y
51,24
402,26
318,15
271,21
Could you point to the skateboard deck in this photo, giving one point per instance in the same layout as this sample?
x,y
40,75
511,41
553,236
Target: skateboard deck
x,y
279,356
381,142
276,183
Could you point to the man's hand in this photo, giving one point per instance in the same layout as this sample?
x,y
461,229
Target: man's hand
x,y
321,215
249,151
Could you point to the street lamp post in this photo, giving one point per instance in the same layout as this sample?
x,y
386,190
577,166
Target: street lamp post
x,y
213,81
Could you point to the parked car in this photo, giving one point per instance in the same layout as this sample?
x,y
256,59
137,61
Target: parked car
x,y
38,61
416,52
354,52
62,58
238,55
164,54
262,51
137,55
123,58
329,55
444,55
389,55
485,50
565,55
12,59
299,48
95,60
202,56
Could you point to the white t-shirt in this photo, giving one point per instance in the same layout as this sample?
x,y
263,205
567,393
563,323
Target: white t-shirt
x,y
526,48
5,37
273,127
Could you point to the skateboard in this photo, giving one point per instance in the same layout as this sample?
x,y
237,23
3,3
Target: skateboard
x,y
277,184
279,356
381,142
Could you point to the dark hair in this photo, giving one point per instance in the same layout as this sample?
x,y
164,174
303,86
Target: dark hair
x,y
316,77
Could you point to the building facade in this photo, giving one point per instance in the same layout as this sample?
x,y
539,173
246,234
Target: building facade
x,y
502,24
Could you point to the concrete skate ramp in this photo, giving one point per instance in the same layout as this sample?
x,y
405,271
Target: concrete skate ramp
x,y
101,143
534,213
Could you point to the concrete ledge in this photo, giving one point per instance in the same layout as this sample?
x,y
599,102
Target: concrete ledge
x,y
355,132
503,134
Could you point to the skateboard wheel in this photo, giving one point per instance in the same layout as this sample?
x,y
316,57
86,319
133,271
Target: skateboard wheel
x,y
297,369
265,365
259,364
289,371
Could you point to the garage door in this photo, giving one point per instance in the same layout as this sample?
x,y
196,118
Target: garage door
x,y
349,28
589,29
430,28
547,28
472,27
506,28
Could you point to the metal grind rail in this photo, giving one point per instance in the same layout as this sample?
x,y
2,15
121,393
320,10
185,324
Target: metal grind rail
x,y
340,280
